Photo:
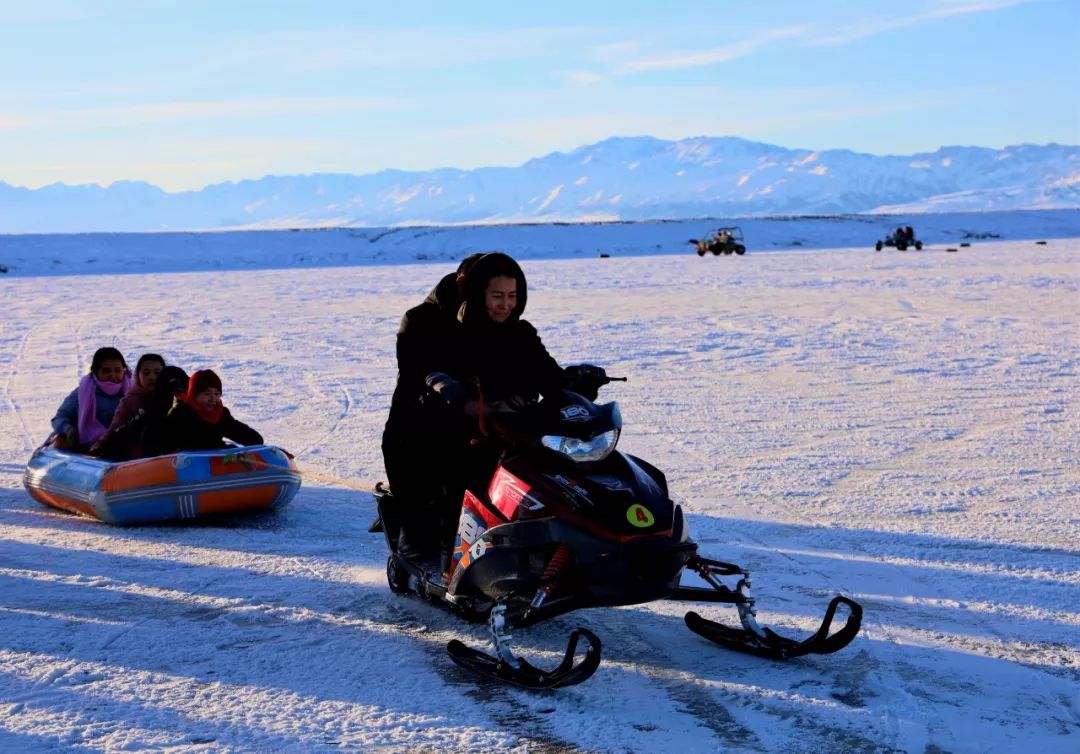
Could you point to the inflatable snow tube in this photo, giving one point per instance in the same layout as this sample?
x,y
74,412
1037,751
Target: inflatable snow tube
x,y
182,485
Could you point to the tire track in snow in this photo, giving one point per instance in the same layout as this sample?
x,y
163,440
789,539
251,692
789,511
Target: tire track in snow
x,y
921,451
9,394
347,404
680,686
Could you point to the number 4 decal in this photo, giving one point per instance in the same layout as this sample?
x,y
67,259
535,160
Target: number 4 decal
x,y
638,515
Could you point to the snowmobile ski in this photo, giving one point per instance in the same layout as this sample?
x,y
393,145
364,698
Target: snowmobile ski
x,y
508,667
764,642
525,674
753,638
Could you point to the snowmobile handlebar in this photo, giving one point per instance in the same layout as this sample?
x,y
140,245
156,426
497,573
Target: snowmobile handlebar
x,y
587,379
590,374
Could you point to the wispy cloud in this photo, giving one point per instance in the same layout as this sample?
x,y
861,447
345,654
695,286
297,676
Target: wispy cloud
x,y
204,162
56,12
622,57
162,112
402,49
855,32
715,55
134,168
584,78
616,51
13,122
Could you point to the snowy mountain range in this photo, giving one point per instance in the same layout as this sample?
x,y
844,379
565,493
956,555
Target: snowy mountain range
x,y
633,178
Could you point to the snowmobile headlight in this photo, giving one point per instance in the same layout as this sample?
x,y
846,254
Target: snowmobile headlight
x,y
595,449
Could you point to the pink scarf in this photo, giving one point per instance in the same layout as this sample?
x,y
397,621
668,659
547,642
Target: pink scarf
x,y
90,429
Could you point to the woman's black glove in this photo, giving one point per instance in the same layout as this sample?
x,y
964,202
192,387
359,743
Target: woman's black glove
x,y
586,379
446,387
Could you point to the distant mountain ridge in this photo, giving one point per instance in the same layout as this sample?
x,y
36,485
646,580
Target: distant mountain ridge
x,y
622,178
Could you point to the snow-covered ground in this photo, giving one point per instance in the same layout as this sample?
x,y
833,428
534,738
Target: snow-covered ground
x,y
901,428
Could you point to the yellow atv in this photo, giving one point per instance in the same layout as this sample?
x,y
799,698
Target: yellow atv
x,y
720,241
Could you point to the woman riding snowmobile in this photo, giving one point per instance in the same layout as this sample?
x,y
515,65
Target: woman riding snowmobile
x,y
496,359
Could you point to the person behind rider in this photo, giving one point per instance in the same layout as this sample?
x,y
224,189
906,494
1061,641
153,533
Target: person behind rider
x,y
172,384
415,427
88,410
498,362
121,440
200,421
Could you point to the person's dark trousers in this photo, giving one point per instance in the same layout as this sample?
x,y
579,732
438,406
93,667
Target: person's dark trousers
x,y
415,475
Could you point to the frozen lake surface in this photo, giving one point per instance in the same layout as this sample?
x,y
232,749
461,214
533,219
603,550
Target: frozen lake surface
x,y
901,428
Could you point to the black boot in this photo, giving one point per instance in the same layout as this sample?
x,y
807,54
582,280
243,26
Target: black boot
x,y
416,544
445,556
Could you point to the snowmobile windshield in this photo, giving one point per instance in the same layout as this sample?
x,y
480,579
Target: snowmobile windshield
x,y
566,423
565,414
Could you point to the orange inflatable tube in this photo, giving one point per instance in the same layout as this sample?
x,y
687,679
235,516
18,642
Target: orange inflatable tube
x,y
177,486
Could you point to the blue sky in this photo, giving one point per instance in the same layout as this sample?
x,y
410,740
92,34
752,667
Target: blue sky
x,y
184,94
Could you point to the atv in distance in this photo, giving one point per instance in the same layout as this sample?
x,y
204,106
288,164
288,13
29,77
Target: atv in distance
x,y
721,241
901,240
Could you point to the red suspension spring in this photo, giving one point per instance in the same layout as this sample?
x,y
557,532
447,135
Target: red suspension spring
x,y
558,561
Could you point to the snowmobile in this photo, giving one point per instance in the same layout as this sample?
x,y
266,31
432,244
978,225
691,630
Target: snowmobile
x,y
569,522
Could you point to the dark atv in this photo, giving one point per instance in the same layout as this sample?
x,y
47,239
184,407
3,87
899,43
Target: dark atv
x,y
569,522
720,241
901,240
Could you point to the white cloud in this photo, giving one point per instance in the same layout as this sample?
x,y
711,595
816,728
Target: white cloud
x,y
616,51
622,58
715,55
416,48
204,162
946,9
158,112
11,122
584,78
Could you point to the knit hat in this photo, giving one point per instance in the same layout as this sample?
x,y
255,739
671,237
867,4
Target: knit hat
x,y
172,380
201,380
